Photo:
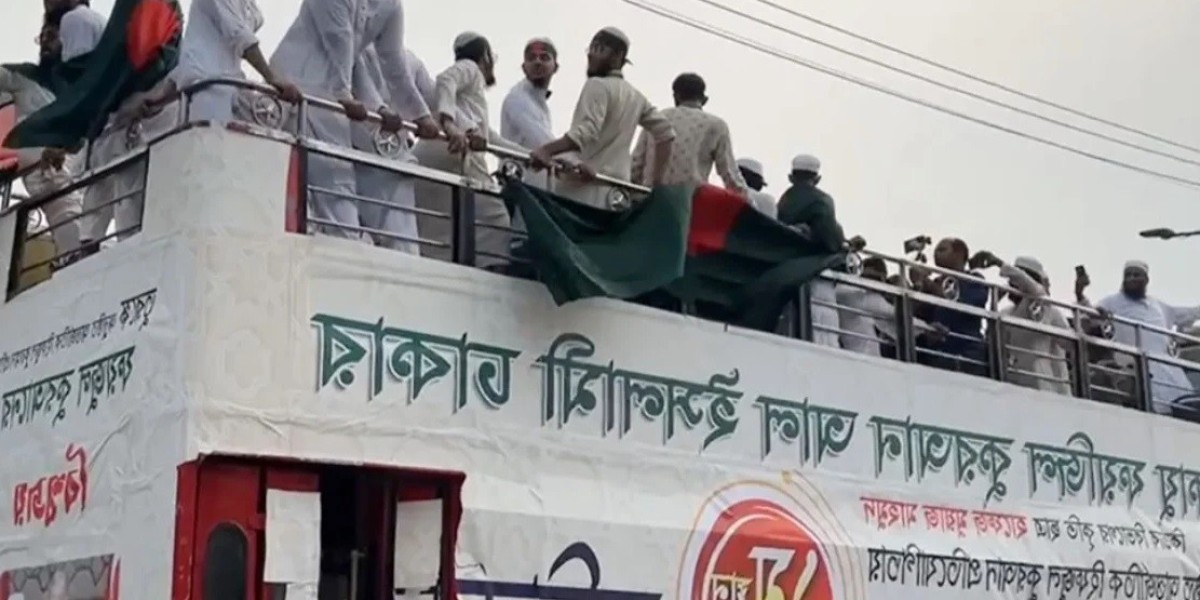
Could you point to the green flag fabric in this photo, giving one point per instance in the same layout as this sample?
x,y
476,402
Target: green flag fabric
x,y
138,48
56,77
702,246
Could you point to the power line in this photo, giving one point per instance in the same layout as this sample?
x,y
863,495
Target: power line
x,y
946,86
744,41
961,73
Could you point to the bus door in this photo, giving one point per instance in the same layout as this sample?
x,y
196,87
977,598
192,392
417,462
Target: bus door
x,y
279,530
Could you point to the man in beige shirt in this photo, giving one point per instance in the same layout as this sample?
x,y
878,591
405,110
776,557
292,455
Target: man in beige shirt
x,y
701,140
606,118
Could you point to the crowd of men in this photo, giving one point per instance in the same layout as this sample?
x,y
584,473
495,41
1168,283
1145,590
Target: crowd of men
x,y
353,52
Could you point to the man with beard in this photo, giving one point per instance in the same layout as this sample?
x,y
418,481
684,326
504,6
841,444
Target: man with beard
x,y
606,119
461,108
54,172
525,116
1168,383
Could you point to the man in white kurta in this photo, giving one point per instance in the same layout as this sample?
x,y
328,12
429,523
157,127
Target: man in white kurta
x,y
28,97
754,174
318,53
605,122
80,28
1167,382
1036,360
462,109
398,226
525,116
220,35
866,316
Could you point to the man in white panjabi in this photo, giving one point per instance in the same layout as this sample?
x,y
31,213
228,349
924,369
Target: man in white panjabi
x,y
220,34
752,171
319,53
865,315
80,27
394,228
525,116
1168,383
462,109
605,122
701,141
1036,360
28,97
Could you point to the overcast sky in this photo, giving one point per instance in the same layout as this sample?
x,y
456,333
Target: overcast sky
x,y
896,169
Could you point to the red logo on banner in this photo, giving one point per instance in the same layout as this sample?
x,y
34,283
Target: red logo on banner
x,y
757,550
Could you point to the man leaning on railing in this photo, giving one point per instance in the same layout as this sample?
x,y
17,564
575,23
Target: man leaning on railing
x,y
1168,383
46,170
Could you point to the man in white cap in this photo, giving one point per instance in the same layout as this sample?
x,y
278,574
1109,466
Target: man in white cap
x,y
701,141
809,210
1036,360
752,171
606,119
462,111
1168,383
319,54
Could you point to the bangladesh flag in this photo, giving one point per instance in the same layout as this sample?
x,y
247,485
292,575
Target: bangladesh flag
x,y
139,47
703,246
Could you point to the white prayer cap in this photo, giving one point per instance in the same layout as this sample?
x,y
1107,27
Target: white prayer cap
x,y
1030,263
465,38
544,42
1137,264
806,162
751,165
616,35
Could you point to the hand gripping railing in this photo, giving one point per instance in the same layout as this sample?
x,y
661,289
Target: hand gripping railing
x,y
1149,394
269,111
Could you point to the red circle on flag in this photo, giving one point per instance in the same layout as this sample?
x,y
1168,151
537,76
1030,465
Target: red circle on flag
x,y
758,550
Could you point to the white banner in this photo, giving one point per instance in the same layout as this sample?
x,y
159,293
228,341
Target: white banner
x,y
619,449
92,427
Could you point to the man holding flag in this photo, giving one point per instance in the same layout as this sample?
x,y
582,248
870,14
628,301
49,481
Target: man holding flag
x,y
138,47
21,81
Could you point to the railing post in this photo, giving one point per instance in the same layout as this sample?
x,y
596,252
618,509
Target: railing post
x,y
906,337
6,195
1081,366
462,222
20,234
997,349
802,324
1145,383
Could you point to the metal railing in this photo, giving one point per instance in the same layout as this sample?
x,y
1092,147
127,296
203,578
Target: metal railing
x,y
1095,355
